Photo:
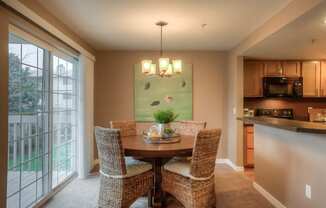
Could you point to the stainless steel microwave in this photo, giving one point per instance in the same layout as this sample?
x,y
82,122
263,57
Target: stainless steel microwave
x,y
283,87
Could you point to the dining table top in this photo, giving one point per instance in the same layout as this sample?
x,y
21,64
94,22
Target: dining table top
x,y
137,146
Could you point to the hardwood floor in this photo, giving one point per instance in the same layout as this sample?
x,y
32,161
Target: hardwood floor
x,y
233,190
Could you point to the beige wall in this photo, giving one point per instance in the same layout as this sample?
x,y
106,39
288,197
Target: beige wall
x,y
286,161
114,86
3,105
235,106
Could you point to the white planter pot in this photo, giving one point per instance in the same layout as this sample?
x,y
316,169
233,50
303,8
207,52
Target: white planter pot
x,y
161,127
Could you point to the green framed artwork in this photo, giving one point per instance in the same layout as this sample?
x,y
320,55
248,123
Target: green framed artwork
x,y
153,93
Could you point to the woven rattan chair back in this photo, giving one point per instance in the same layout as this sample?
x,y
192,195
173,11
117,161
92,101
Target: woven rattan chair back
x,y
127,128
204,153
143,127
111,154
190,128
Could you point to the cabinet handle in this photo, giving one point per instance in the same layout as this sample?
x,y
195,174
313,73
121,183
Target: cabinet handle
x,y
316,92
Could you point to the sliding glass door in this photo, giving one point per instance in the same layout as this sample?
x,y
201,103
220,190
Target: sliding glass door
x,y
64,108
42,121
28,142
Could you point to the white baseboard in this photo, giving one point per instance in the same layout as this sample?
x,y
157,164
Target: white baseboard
x,y
230,163
276,203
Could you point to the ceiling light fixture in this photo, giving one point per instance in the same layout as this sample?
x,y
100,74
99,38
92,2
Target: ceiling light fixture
x,y
166,68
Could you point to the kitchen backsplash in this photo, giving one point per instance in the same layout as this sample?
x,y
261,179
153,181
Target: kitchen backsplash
x,y
299,106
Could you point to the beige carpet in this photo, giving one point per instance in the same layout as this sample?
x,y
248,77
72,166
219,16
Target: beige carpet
x,y
233,190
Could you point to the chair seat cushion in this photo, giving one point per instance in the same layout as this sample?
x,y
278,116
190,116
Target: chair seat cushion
x,y
136,167
179,166
182,166
183,158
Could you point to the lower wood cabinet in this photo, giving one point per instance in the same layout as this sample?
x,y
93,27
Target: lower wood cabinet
x,y
249,159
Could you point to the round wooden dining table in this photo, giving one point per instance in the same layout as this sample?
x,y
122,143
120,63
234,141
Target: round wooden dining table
x,y
158,154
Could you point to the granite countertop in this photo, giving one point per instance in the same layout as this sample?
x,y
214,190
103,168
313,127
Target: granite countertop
x,y
292,125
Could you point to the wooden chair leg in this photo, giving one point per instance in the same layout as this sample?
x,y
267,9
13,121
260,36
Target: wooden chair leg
x,y
150,198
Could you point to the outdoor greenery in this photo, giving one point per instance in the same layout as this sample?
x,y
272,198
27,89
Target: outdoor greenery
x,y
23,95
164,116
60,155
23,99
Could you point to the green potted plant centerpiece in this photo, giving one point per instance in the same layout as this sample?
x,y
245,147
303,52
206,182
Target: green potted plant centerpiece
x,y
163,118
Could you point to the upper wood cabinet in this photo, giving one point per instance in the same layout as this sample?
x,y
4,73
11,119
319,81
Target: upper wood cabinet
x,y
313,73
311,78
291,68
253,79
273,68
323,79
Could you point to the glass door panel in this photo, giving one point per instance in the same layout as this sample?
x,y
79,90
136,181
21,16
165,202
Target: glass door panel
x,y
64,95
28,170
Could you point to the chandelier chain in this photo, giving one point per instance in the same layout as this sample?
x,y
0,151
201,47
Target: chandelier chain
x,y
161,52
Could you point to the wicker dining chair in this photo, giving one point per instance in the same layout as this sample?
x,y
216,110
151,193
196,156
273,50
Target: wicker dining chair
x,y
192,182
190,128
127,128
122,180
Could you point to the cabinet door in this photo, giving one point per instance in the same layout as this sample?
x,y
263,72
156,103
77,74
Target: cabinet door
x,y
250,140
250,157
323,79
253,79
291,68
248,146
273,68
311,78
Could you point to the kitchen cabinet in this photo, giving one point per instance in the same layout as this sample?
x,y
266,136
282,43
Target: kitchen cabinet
x,y
313,73
311,78
291,68
253,79
323,79
249,146
273,68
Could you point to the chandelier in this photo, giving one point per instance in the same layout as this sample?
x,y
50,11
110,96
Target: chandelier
x,y
165,67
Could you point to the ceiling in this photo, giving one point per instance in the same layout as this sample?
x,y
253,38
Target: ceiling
x,y
305,38
129,24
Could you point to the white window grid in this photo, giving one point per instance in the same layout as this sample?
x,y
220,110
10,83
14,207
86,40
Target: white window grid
x,y
41,133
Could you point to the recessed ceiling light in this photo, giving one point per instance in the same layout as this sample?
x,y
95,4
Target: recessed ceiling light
x,y
325,21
